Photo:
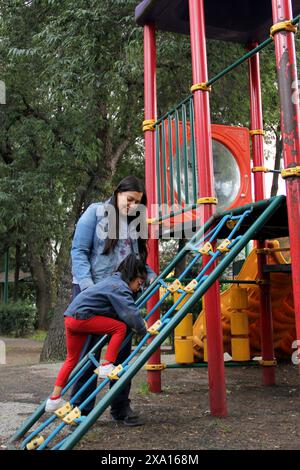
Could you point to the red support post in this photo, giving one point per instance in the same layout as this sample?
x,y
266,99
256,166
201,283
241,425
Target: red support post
x,y
216,370
290,128
256,117
153,376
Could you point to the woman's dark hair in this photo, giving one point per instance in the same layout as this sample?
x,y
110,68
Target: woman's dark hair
x,y
131,267
129,183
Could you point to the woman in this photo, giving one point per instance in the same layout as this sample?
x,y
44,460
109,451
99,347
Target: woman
x,y
104,236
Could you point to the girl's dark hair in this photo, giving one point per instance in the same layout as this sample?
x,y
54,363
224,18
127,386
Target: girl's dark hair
x,y
131,267
129,183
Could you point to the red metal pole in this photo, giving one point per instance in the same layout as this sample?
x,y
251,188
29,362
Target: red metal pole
x,y
290,128
153,377
256,117
216,370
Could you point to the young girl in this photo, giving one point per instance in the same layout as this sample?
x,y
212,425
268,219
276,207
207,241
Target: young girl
x,y
95,311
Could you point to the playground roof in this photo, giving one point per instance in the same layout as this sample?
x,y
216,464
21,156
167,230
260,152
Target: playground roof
x,y
228,20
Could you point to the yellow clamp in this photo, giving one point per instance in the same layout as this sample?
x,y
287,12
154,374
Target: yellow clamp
x,y
189,288
64,410
288,172
161,366
231,224
283,26
256,132
270,363
174,286
207,200
223,247
200,86
114,373
36,442
260,169
153,221
70,418
153,329
148,125
206,248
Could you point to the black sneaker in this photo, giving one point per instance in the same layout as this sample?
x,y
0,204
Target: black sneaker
x,y
127,417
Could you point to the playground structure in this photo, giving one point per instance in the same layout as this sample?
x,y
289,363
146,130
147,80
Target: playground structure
x,y
247,335
260,220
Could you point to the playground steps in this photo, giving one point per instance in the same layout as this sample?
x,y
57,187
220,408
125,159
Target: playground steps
x,y
236,232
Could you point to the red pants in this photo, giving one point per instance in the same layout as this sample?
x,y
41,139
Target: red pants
x,y
77,332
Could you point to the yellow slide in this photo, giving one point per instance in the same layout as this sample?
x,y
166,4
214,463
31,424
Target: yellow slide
x,y
282,309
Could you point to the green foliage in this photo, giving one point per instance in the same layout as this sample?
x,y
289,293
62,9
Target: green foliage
x,y
17,318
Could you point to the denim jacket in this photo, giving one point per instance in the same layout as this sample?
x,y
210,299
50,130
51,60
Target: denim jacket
x,y
89,265
113,298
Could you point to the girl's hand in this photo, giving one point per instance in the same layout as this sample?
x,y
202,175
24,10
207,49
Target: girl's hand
x,y
146,324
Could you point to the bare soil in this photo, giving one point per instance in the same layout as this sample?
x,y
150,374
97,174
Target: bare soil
x,y
259,417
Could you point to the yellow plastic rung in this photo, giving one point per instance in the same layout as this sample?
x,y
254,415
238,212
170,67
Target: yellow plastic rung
x,y
288,172
223,247
174,286
36,442
206,248
64,410
70,418
153,329
189,288
114,373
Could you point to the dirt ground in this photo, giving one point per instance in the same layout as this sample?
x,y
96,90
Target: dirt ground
x,y
259,417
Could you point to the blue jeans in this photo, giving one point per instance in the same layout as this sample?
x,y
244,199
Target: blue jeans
x,y
122,401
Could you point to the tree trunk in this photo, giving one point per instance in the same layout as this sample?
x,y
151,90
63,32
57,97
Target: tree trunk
x,y
54,348
41,274
274,188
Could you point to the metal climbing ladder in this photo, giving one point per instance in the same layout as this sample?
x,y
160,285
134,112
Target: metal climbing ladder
x,y
235,232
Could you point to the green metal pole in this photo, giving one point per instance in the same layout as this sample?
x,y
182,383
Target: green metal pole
x,y
177,155
185,155
5,294
192,150
164,167
170,149
157,341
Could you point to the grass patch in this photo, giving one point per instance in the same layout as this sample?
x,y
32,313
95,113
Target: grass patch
x,y
143,389
38,335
